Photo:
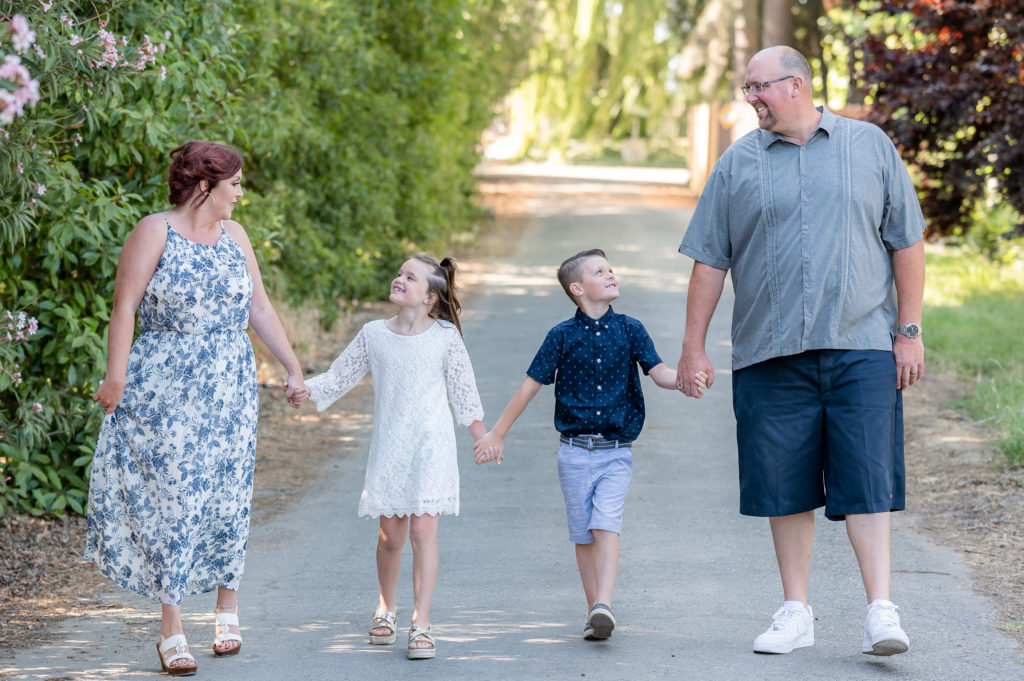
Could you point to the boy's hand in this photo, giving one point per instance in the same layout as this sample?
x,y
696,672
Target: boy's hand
x,y
488,448
694,375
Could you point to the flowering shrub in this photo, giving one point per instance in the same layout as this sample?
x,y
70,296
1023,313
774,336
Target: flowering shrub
x,y
357,121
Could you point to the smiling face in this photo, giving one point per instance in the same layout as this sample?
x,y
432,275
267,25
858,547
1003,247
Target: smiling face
x,y
224,196
597,282
411,287
772,103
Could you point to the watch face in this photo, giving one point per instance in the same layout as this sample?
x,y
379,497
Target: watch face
x,y
909,330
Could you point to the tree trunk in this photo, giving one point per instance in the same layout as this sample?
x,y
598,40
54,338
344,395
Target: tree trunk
x,y
777,23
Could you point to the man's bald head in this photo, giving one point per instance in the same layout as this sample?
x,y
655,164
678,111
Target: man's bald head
x,y
787,59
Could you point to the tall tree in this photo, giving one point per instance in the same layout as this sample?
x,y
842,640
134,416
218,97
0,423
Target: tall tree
x,y
950,91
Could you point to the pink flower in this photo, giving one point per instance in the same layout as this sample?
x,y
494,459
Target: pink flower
x,y
75,39
66,20
12,70
163,73
9,107
167,35
23,35
37,408
40,189
47,6
21,168
39,51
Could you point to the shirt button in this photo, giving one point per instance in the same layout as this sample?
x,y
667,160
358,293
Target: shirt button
x,y
598,360
598,333
598,412
598,387
803,228
808,315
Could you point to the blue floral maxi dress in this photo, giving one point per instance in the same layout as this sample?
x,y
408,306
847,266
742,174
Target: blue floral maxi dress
x,y
172,474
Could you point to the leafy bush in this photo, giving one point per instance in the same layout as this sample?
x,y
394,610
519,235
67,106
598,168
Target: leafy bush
x,y
947,77
358,123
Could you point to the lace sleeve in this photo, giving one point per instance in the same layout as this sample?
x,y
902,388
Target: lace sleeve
x,y
345,372
458,374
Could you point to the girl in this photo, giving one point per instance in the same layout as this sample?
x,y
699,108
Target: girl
x,y
418,362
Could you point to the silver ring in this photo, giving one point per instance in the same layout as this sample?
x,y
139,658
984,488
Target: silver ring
x,y
913,373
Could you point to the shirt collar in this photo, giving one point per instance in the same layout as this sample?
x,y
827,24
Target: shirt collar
x,y
827,123
586,320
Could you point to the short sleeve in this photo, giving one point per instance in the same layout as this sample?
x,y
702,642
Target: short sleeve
x,y
345,373
461,382
545,362
641,347
707,236
902,221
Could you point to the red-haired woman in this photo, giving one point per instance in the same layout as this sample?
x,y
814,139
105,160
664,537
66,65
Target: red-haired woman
x,y
172,474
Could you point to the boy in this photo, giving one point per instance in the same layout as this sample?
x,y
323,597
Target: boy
x,y
599,411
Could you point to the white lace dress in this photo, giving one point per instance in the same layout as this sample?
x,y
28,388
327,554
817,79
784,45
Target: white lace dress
x,y
412,468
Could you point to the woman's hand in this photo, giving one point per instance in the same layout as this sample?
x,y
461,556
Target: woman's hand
x,y
295,390
109,394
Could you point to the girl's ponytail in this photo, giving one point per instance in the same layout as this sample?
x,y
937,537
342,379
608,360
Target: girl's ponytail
x,y
442,285
448,306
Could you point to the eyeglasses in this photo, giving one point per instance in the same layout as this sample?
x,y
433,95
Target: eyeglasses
x,y
758,88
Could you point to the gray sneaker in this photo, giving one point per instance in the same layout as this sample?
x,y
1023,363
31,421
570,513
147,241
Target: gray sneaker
x,y
601,621
882,632
792,627
588,632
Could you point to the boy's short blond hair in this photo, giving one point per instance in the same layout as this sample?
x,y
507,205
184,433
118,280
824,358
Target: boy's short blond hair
x,y
570,271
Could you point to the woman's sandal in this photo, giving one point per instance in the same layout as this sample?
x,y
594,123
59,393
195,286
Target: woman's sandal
x,y
226,620
178,644
385,620
415,635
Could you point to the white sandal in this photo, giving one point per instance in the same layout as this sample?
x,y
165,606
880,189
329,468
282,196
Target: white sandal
x,y
417,634
226,620
179,645
385,620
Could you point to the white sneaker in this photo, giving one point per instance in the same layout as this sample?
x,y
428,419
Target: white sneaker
x,y
882,632
792,627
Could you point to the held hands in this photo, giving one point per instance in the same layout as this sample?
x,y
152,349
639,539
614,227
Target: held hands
x,y
488,448
695,375
109,394
295,390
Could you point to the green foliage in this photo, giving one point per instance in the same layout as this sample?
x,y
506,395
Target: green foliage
x,y
972,322
358,123
948,87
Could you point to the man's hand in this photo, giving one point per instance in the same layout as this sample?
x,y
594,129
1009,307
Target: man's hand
x,y
909,354
695,373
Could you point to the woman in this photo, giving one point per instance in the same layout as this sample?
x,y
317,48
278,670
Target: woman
x,y
172,475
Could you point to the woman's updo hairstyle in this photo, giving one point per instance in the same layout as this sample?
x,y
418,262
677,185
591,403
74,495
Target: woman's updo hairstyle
x,y
195,161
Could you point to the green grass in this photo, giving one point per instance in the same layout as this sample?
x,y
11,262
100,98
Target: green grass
x,y
974,325
1013,626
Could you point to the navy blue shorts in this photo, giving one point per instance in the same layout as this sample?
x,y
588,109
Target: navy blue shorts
x,y
822,428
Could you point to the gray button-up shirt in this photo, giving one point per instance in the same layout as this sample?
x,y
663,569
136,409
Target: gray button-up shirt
x,y
808,233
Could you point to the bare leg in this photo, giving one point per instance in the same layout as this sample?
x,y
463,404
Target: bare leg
x,y
793,536
423,533
170,625
585,562
227,601
606,564
869,536
390,540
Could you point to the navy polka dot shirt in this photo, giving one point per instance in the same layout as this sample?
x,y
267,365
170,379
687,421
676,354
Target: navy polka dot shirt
x,y
592,363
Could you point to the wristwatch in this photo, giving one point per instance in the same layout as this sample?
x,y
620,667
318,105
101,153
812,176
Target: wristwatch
x,y
909,330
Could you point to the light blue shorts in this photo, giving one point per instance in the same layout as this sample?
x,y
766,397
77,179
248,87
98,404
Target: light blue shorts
x,y
594,483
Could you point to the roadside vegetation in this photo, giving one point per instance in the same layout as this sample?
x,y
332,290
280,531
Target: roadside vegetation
x,y
974,325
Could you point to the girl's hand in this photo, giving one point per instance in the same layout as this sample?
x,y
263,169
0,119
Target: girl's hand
x,y
109,394
488,448
295,390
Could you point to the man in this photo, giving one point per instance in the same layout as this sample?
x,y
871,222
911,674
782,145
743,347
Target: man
x,y
817,218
